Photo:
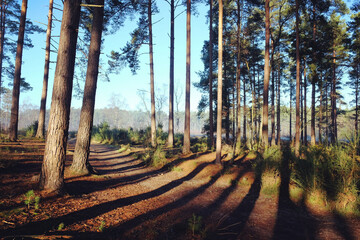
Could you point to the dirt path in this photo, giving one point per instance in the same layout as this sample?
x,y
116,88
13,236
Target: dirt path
x,y
131,201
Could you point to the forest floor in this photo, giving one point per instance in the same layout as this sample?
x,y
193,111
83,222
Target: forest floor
x,y
190,199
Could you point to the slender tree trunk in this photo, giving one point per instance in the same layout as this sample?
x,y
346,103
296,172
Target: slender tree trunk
x,y
356,111
278,110
301,112
13,129
272,97
40,133
313,137
244,112
297,123
171,84
2,39
327,113
238,72
52,172
220,85
186,147
265,133
80,162
305,108
290,115
152,90
211,113
320,111
333,102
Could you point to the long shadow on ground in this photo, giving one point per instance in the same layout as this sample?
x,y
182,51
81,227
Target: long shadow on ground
x,y
44,226
292,221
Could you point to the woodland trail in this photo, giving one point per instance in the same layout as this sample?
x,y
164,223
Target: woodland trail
x,y
190,199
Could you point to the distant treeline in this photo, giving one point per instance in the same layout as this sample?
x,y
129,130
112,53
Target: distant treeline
x,y
115,117
124,119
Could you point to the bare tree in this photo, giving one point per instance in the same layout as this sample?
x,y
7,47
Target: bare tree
x,y
52,171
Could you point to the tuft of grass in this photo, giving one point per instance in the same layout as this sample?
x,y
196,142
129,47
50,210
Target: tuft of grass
x,y
124,147
30,199
195,224
102,226
61,226
176,169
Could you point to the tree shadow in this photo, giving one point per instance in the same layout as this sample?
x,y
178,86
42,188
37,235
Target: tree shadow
x,y
292,221
232,226
118,231
44,226
87,186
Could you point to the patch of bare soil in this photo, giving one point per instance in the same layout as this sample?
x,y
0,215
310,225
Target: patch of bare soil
x,y
190,198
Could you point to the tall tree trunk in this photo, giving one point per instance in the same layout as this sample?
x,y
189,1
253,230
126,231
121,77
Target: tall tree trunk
x,y
220,85
333,101
327,113
290,115
356,110
244,112
52,172
80,162
265,134
313,137
320,110
186,147
238,72
152,88
305,109
211,113
13,129
2,39
301,112
272,97
171,85
297,123
278,109
40,133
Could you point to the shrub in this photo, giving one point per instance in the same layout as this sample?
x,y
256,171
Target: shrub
x,y
31,130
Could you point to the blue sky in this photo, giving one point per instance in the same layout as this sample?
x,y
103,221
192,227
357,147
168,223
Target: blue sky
x,y
123,84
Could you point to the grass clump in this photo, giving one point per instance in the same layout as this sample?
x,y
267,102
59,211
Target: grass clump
x,y
31,199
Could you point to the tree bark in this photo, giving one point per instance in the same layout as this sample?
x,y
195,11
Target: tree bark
x,y
313,137
305,109
238,74
272,69
320,111
14,118
211,113
152,88
186,147
244,112
333,101
2,39
80,162
220,85
40,133
171,84
297,123
265,133
52,172
278,109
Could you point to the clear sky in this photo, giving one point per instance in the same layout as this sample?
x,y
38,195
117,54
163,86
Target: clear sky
x,y
124,84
